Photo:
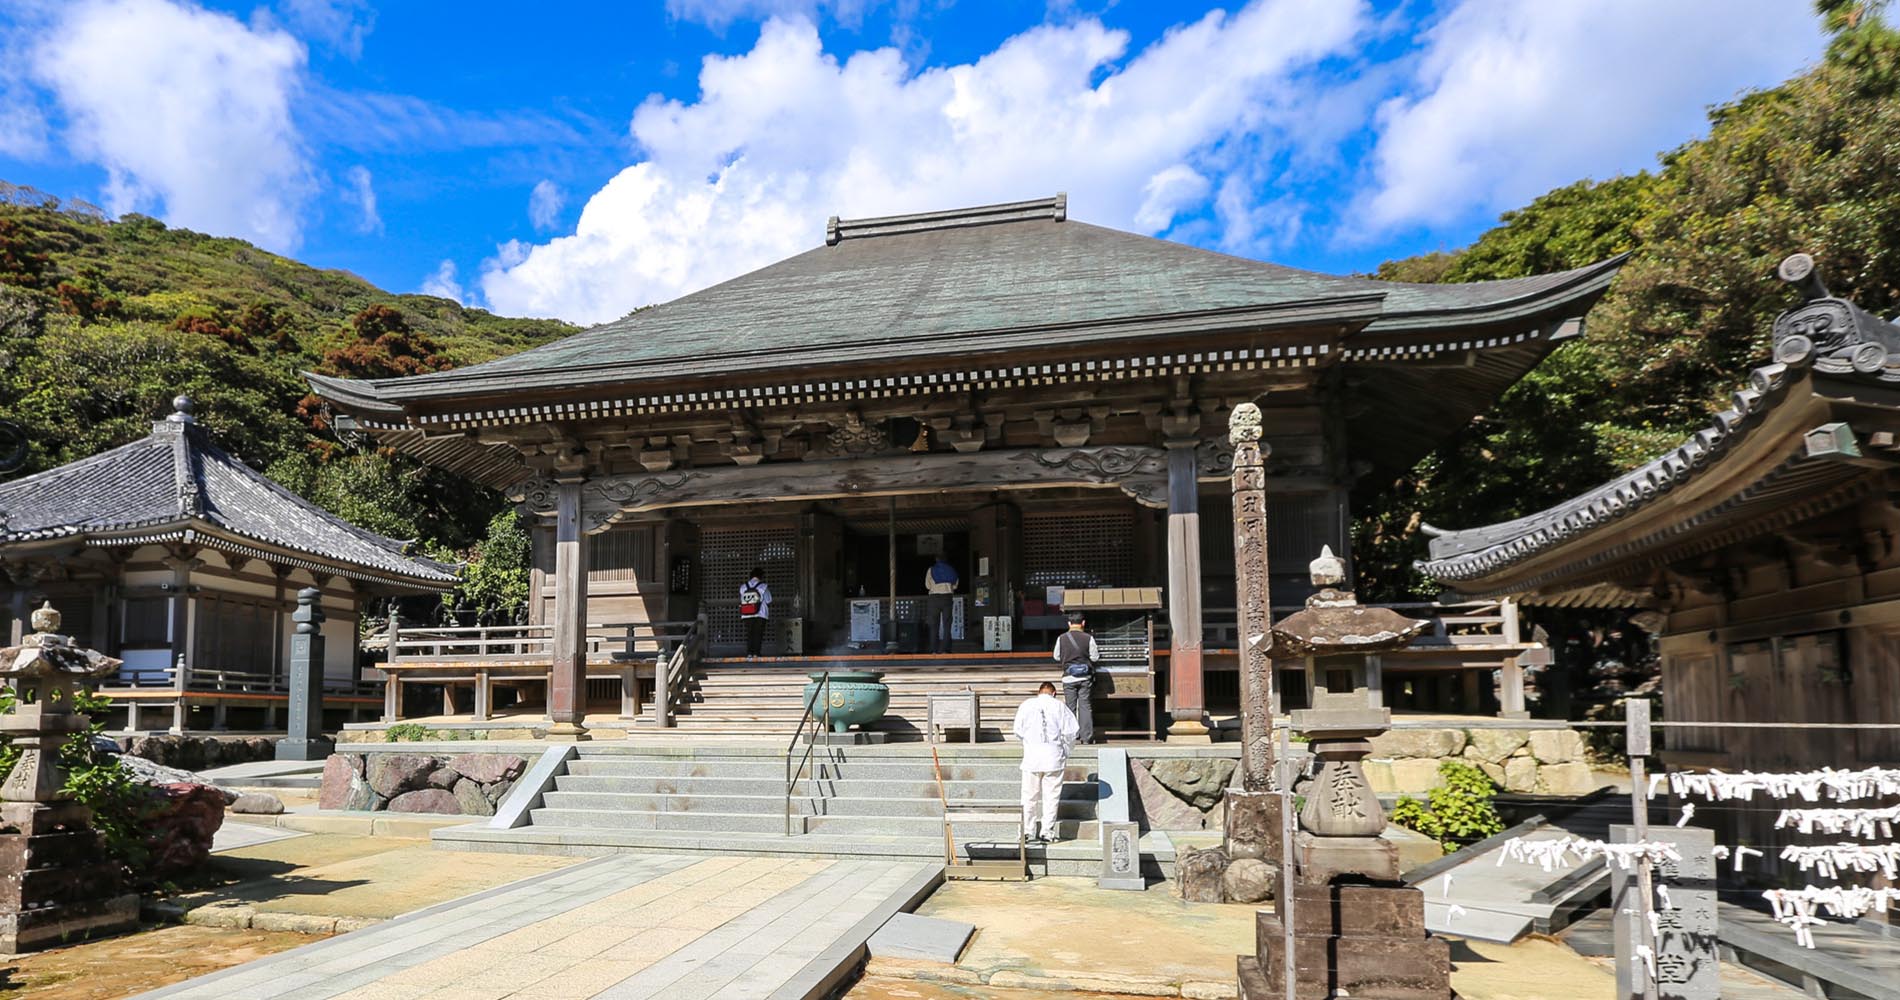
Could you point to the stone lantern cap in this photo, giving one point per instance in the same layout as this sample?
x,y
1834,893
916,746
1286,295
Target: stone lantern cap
x,y
47,654
1335,623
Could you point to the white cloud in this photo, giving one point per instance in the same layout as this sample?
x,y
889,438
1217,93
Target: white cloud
x,y
1512,99
545,203
785,135
362,194
341,24
719,13
185,109
443,283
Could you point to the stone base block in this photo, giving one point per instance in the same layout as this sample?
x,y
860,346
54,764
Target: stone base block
x,y
1380,911
317,749
1322,859
1383,968
49,926
846,739
1252,825
38,818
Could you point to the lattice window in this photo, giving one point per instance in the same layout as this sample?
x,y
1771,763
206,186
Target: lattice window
x,y
1079,550
727,557
624,553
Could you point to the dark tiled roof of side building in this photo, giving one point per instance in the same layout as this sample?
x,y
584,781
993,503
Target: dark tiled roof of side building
x,y
176,478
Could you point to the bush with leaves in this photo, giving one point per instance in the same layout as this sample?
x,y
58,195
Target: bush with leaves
x,y
119,803
1458,812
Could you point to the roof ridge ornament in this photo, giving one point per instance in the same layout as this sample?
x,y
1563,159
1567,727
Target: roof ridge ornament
x,y
1054,209
1834,335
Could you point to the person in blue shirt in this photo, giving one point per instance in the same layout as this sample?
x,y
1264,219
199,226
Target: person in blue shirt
x,y
940,587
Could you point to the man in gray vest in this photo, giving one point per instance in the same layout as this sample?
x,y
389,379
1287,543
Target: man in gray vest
x,y
1077,652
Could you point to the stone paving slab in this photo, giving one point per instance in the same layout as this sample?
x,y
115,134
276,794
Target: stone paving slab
x,y
625,927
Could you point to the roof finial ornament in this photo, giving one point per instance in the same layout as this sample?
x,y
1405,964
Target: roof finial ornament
x,y
1798,269
45,618
181,409
1327,570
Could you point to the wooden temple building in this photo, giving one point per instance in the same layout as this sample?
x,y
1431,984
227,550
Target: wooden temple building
x,y
1040,400
185,563
1770,544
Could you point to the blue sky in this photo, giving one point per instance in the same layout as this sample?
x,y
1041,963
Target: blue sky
x,y
579,160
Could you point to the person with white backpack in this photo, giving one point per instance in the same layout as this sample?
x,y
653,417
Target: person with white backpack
x,y
755,610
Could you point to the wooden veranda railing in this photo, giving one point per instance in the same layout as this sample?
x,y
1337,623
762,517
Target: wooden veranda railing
x,y
483,655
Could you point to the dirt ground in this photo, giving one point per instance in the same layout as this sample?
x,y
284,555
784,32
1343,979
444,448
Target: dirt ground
x,y
134,963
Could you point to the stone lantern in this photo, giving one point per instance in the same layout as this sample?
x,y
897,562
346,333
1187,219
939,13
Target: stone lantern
x,y
56,883
1357,929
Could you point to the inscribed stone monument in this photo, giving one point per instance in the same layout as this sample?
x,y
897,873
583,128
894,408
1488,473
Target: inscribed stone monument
x,y
1687,966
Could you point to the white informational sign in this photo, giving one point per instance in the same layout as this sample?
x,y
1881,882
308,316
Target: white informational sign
x,y
957,617
1054,596
867,619
997,631
930,545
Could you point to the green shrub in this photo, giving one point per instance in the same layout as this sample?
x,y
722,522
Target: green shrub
x,y
1456,813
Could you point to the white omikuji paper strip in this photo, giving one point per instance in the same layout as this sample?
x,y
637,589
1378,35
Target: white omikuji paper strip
x,y
1838,786
1798,907
1832,859
1867,824
1554,854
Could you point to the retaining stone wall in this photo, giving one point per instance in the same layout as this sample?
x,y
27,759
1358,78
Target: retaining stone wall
x,y
467,784
1531,761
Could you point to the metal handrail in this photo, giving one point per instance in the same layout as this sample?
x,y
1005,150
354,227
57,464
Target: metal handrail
x,y
791,773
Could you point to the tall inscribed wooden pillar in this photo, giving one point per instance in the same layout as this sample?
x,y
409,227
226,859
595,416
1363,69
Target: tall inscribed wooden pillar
x,y
1255,598
1187,702
567,680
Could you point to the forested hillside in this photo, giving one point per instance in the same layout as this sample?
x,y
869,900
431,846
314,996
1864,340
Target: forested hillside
x,y
1812,165
102,323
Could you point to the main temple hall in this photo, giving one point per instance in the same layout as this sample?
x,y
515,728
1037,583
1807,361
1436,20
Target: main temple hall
x,y
1040,401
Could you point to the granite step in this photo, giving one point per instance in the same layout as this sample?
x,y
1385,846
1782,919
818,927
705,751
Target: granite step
x,y
985,826
811,804
835,787
766,767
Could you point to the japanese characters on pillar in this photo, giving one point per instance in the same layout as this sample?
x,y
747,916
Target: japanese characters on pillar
x,y
1255,599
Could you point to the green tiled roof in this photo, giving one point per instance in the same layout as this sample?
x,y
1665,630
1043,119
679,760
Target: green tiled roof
x,y
970,281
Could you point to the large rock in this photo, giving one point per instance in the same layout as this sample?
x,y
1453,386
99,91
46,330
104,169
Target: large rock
x,y
391,774
361,798
158,775
444,777
1198,781
257,804
178,833
1198,876
497,791
469,799
1248,880
426,800
488,767
1494,745
1433,743
1520,775
1557,746
1251,825
1160,810
338,772
1567,779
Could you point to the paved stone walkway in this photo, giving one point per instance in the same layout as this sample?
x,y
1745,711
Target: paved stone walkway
x,y
621,928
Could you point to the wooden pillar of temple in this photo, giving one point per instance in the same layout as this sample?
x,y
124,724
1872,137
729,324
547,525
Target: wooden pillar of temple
x,y
567,673
181,562
1187,701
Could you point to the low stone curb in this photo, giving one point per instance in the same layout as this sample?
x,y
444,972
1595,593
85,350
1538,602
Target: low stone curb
x,y
239,916
1053,980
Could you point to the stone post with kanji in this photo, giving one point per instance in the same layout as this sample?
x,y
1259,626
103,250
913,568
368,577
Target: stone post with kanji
x,y
306,740
1252,830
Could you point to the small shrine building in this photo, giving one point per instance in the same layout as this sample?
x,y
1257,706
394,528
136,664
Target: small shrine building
x,y
1769,542
1039,400
182,561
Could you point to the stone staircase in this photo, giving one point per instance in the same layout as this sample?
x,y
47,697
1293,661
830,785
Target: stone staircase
x,y
859,801
728,698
